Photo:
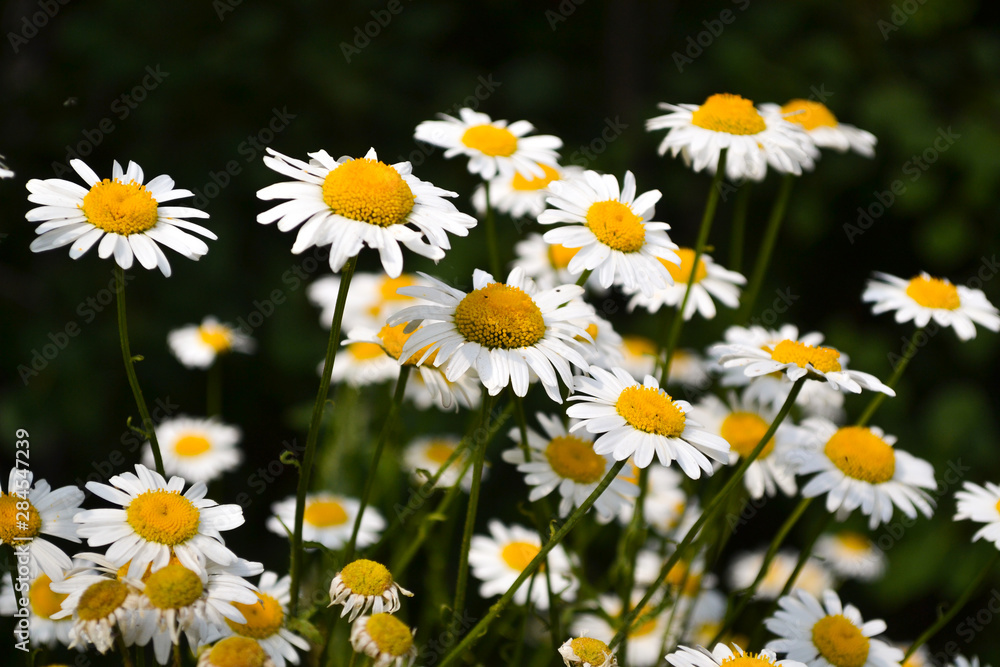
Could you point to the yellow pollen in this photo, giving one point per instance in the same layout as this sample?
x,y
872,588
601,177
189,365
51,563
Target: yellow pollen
x,y
616,226
191,445
325,513
264,618
164,517
18,524
861,454
574,458
639,345
44,602
387,288
519,182
368,191
217,337
120,208
366,577
393,339
439,451
173,587
808,114
748,660
651,410
560,255
237,652
500,316
727,113
365,351
840,641
682,273
855,542
517,555
743,430
823,359
489,140
101,599
390,634
590,650
934,293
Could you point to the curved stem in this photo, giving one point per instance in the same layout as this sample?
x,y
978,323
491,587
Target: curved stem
x,y
908,354
739,227
766,246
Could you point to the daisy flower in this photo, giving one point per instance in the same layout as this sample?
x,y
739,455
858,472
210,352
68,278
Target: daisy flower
x,y
235,651
823,127
98,605
604,348
199,450
982,505
498,561
640,355
924,298
666,503
385,639
828,633
48,512
433,389
430,453
519,196
328,520
548,263
493,146
587,652
362,362
350,203
962,661
723,655
613,228
645,639
198,345
120,212
687,368
858,466
506,331
641,419
851,556
568,463
814,577
710,280
707,616
754,141
363,587
43,603
370,301
157,521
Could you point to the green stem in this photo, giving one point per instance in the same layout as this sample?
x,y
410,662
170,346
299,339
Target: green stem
x,y
491,235
908,354
133,381
767,245
213,389
631,542
584,277
309,456
739,227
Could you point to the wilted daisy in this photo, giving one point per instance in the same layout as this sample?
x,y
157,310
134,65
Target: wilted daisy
x,y
730,657
823,127
568,463
43,603
198,345
328,520
642,420
587,652
121,212
754,140
156,521
924,298
505,331
385,639
198,450
350,203
813,578
363,587
235,650
493,146
851,555
522,196
645,639
858,467
710,280
982,505
99,605
821,633
430,453
48,512
498,561
613,228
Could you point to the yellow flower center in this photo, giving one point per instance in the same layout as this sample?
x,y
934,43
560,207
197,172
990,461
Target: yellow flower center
x,y
366,577
368,191
808,114
387,289
325,513
934,293
573,458
393,339
560,255
390,634
743,430
823,359
500,316
729,113
13,526
173,587
854,542
120,208
590,650
44,602
489,140
840,641
679,573
537,183
101,599
616,226
264,617
682,273
639,345
217,337
650,410
192,445
518,554
365,351
861,454
439,451
237,652
164,517
748,660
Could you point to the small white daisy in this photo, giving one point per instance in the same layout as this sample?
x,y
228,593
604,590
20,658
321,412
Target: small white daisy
x,y
707,617
198,450
493,146
235,650
710,280
645,640
122,213
814,577
370,301
385,639
519,196
982,505
548,263
723,656
350,203
328,520
823,127
43,604
604,348
640,355
689,370
364,586
851,555
924,298
430,388
198,345
99,605
430,453
587,652
666,504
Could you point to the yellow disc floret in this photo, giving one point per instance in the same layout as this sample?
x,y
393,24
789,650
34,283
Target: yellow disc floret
x,y
861,454
639,345
651,410
823,359
727,113
500,316
519,182
560,255
616,226
390,634
173,587
164,517
120,208
743,430
325,513
44,602
191,444
394,337
682,273
840,641
808,114
748,660
364,351
574,458
216,336
439,451
490,140
591,651
518,555
237,652
101,599
366,577
264,618
19,520
854,542
934,293
368,191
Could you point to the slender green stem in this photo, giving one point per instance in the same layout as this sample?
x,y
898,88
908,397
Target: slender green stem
x,y
491,235
739,227
584,277
908,354
631,541
479,629
699,248
213,389
133,381
354,658
309,456
766,246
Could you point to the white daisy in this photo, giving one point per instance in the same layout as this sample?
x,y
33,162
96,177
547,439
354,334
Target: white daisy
x,y
548,263
710,280
519,196
640,355
962,661
361,362
328,520
198,345
385,639
429,387
642,419
645,639
823,127
498,561
666,503
851,555
614,230
722,655
350,203
924,298
370,301
827,633
587,652
493,146
754,140
235,650
814,577
604,348
121,212
99,606
688,369
156,521
568,463
430,453
707,617
982,505
43,603
505,331
197,449
364,586
27,512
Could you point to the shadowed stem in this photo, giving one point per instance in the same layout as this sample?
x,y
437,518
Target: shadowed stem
x,y
739,227
766,246
908,354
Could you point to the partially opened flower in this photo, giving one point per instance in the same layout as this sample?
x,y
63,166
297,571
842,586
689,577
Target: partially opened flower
x,y
982,505
823,127
587,652
199,450
199,345
710,280
385,639
328,520
364,586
